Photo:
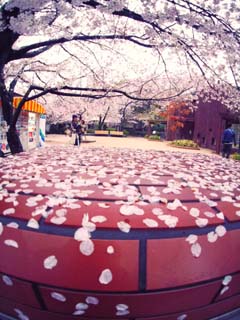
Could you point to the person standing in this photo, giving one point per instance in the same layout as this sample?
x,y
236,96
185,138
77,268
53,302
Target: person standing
x,y
84,129
228,139
77,129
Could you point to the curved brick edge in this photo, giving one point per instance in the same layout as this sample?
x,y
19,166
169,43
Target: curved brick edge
x,y
218,310
154,270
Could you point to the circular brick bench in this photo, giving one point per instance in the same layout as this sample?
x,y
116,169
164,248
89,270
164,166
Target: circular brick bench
x,y
118,234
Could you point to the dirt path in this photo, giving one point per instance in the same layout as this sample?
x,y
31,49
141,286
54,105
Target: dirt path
x,y
121,142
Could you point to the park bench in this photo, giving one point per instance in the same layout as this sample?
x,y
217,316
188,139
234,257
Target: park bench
x,y
116,133
101,132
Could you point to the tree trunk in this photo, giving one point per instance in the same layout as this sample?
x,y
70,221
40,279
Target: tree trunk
x,y
100,123
7,39
14,141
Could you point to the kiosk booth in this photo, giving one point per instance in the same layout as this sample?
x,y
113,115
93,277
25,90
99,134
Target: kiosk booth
x,y
30,126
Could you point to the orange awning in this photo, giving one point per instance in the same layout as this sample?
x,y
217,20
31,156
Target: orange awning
x,y
30,105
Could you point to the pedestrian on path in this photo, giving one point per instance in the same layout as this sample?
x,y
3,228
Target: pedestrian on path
x,y
228,140
76,128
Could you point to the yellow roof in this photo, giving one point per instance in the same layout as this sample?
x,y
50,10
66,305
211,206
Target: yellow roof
x,y
30,105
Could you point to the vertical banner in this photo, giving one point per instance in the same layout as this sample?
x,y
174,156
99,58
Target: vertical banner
x,y
42,129
32,143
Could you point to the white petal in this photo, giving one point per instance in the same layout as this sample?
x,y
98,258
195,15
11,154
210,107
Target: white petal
x,y
58,296
81,306
110,249
150,223
85,219
8,200
152,189
122,313
106,276
90,226
238,213
224,289
157,211
182,317
212,236
99,219
32,223
220,215
50,262
196,250
128,210
92,300
21,315
8,211
213,194
61,212
237,205
211,203
220,231
194,212
121,307
170,221
11,243
192,238
27,191
82,234
78,312
227,280
12,225
1,228
87,203
124,226
7,280
171,206
209,214
201,222
73,206
31,204
163,200
227,199
86,247
58,220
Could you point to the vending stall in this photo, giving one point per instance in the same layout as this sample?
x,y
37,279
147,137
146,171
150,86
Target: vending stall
x,y
30,125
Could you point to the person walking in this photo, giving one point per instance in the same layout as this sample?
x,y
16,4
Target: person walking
x,y
228,139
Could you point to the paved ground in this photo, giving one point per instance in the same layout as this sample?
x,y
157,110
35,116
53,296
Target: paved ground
x,y
120,142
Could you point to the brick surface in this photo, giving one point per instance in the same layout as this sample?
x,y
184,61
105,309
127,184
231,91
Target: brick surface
x,y
170,262
83,274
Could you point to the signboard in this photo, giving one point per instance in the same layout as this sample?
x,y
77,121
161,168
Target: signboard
x,y
4,147
31,130
42,130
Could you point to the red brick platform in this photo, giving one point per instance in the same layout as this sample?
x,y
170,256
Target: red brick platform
x,y
118,234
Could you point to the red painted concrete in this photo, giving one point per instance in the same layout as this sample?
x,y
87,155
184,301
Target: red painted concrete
x,y
17,290
83,274
151,269
139,304
170,262
229,210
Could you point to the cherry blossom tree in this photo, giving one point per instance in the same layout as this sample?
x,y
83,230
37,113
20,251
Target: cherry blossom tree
x,y
50,35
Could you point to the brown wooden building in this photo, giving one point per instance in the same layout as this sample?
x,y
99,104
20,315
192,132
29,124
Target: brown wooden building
x,y
206,125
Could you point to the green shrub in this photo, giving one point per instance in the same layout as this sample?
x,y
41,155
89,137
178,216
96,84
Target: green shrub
x,y
90,130
125,132
185,143
236,156
111,129
154,137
